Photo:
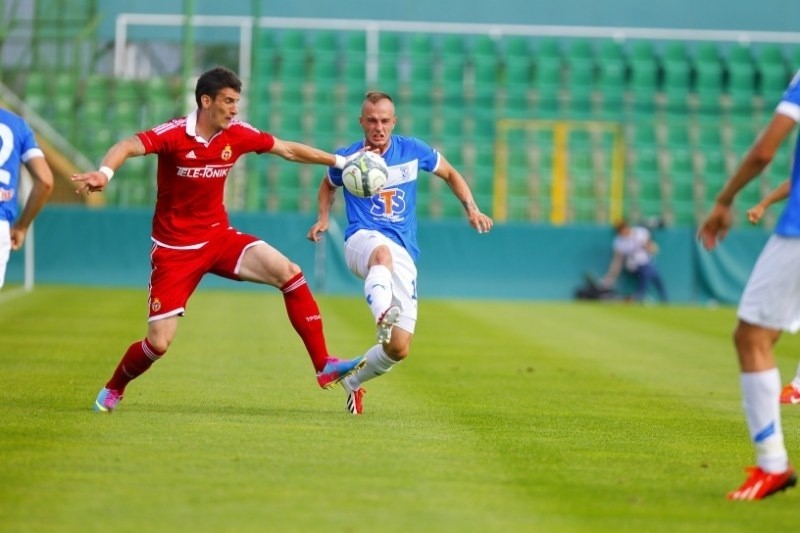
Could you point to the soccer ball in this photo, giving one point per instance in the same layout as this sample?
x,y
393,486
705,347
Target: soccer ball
x,y
365,174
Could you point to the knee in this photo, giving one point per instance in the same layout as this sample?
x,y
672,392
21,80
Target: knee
x,y
396,351
159,343
749,339
290,270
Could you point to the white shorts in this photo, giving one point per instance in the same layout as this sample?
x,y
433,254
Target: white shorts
x,y
357,251
5,248
771,298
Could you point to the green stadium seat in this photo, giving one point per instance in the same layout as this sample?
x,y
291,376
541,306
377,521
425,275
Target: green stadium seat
x,y
682,186
642,50
484,123
740,54
354,69
677,132
127,91
37,94
324,64
684,213
420,78
741,86
742,135
485,80
677,73
267,40
547,47
94,112
681,161
422,122
609,49
611,84
708,70
707,52
452,149
452,45
771,54
794,59
37,83
547,85
451,124
517,81
97,87
483,46
451,80
355,42
642,134
643,83
773,81
516,46
675,51
389,44
292,42
64,112
714,168
709,136
579,80
419,45
159,88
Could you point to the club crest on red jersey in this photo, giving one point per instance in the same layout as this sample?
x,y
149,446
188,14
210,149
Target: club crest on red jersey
x,y
155,305
227,153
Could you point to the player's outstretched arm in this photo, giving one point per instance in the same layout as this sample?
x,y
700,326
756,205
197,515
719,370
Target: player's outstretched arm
x,y
325,198
42,188
302,153
461,190
781,192
97,180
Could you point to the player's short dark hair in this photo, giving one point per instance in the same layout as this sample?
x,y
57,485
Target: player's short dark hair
x,y
211,82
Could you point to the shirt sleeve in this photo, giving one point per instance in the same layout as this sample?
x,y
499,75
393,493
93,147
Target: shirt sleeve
x,y
29,147
152,141
790,103
427,156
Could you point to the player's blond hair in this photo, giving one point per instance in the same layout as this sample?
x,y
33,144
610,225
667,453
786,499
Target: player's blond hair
x,y
376,96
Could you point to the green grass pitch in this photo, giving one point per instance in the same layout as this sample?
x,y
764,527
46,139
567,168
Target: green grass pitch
x,y
508,416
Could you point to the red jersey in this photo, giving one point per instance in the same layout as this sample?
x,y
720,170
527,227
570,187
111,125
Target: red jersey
x,y
190,207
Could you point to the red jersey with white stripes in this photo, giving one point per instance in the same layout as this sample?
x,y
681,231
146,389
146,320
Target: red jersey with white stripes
x,y
190,207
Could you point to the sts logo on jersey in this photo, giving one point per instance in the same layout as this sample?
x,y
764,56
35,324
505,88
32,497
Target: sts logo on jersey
x,y
389,203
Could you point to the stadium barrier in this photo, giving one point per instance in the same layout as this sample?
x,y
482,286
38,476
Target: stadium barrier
x,y
110,247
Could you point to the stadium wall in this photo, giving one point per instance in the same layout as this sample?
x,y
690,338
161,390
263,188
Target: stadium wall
x,y
76,245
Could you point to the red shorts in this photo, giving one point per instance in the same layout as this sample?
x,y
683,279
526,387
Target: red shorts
x,y
175,274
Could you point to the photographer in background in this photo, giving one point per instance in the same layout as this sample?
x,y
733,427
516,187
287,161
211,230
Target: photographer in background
x,y
634,250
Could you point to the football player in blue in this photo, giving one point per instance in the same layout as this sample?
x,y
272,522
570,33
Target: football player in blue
x,y
381,235
17,147
770,303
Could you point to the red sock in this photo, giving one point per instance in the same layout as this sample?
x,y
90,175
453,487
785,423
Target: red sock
x,y
305,317
134,363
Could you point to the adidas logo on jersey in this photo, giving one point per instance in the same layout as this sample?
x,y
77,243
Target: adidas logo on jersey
x,y
191,155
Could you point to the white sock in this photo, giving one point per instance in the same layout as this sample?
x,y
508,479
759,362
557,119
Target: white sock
x,y
761,392
796,378
378,290
378,363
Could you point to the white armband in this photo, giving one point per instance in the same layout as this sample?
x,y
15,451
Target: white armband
x,y
341,161
107,171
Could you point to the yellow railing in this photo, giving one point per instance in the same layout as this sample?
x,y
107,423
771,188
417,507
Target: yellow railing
x,y
559,200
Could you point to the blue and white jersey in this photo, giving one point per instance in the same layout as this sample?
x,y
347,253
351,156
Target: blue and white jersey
x,y
789,223
393,211
17,146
